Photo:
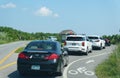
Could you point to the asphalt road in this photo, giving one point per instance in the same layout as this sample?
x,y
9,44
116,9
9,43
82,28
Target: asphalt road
x,y
80,66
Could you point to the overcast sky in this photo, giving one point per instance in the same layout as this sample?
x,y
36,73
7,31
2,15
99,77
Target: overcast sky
x,y
98,17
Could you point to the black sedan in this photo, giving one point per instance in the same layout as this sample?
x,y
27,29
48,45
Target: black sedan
x,y
42,56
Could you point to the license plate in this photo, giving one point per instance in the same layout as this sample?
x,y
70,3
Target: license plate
x,y
73,43
35,67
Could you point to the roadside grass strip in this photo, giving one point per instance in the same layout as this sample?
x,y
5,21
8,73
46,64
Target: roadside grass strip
x,y
19,50
110,68
7,65
8,55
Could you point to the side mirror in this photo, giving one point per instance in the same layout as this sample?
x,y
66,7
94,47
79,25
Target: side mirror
x,y
65,53
62,49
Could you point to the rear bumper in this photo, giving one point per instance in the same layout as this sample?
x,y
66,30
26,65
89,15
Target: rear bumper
x,y
96,45
77,49
44,67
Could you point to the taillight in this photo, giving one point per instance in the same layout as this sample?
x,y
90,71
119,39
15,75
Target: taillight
x,y
65,43
52,57
83,43
23,56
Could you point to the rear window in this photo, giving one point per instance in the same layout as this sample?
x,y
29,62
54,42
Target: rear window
x,y
75,39
93,37
41,46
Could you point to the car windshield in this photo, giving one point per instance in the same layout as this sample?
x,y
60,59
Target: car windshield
x,y
93,37
75,38
41,46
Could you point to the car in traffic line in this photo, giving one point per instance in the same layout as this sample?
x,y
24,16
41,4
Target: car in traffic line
x,y
42,56
97,41
78,43
107,42
53,38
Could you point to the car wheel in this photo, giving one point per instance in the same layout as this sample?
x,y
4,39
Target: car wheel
x,y
90,51
104,47
67,62
60,71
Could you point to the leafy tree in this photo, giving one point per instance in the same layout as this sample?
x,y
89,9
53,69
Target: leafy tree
x,y
10,34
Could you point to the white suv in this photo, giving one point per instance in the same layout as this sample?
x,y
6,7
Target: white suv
x,y
78,43
97,41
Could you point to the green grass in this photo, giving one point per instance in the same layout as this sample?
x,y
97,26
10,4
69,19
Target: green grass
x,y
110,68
3,41
19,50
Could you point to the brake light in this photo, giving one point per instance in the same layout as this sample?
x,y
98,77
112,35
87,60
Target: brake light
x,y
52,57
83,43
65,43
23,56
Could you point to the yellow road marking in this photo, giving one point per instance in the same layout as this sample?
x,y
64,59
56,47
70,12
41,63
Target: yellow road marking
x,y
7,65
7,56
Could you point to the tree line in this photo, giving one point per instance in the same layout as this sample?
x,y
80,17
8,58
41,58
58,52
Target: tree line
x,y
9,34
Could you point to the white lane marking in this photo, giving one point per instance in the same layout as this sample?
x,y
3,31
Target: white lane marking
x,y
81,70
66,69
73,72
90,61
90,73
85,71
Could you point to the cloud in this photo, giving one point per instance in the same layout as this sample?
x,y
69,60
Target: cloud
x,y
44,11
8,5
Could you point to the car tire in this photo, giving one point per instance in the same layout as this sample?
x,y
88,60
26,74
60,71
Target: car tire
x,y
104,47
66,65
67,62
90,51
60,73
